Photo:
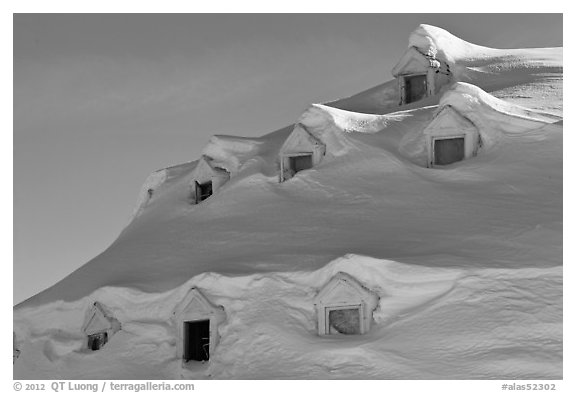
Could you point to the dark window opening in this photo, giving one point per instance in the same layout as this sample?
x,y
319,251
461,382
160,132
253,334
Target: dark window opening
x,y
196,340
447,151
344,321
203,191
300,163
97,341
414,88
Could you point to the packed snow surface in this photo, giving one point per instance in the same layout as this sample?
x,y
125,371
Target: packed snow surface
x,y
429,323
466,259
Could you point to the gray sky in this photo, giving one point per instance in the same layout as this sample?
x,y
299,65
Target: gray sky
x,y
100,101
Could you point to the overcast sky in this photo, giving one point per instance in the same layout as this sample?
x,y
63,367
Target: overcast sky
x,y
100,101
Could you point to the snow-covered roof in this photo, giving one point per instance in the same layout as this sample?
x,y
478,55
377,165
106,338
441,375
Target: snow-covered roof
x,y
481,107
231,151
99,319
321,116
206,162
414,56
154,254
345,289
300,138
448,116
442,45
195,302
265,248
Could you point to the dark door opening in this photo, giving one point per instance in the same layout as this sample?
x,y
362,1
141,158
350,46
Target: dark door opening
x,y
197,340
97,341
415,88
447,151
344,321
203,191
300,163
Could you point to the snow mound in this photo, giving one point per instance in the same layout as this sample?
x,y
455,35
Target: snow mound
x,y
330,125
320,115
440,44
270,327
230,152
491,114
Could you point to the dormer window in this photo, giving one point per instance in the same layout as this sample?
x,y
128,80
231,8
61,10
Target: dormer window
x,y
300,162
97,341
344,320
344,307
415,88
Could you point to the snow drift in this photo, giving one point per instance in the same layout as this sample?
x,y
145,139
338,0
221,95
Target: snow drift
x,y
465,260
271,327
438,43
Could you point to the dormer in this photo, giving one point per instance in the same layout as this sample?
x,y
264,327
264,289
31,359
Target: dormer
x,y
197,321
300,151
99,326
420,75
344,306
206,179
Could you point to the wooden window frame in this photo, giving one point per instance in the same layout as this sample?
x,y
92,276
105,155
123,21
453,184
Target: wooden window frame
x,y
403,86
287,156
433,147
359,307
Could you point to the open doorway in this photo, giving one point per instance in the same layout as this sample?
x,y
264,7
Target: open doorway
x,y
448,150
203,191
196,340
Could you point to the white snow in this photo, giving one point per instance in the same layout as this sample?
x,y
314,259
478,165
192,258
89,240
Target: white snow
x,y
150,186
473,102
440,44
479,323
229,152
466,259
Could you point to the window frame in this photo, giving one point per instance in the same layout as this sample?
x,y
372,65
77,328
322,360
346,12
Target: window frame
x,y
327,309
405,77
444,137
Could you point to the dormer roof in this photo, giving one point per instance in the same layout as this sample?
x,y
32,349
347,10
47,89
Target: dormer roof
x,y
345,289
195,302
99,319
206,163
300,140
448,117
413,59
